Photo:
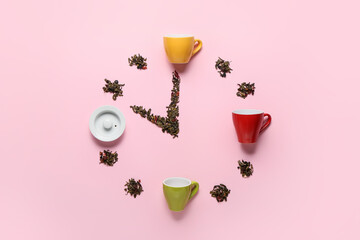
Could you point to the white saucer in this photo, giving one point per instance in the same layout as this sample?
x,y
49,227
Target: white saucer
x,y
107,123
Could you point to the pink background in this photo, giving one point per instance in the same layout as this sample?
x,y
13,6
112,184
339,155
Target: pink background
x,y
304,57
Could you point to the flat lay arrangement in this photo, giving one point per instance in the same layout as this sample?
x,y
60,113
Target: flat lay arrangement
x,y
107,123
179,120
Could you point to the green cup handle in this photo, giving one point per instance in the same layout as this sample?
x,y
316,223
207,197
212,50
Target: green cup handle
x,y
194,189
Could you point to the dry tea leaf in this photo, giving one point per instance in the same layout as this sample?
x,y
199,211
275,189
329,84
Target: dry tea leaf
x,y
170,123
139,61
113,87
220,192
246,168
223,67
133,187
245,89
108,158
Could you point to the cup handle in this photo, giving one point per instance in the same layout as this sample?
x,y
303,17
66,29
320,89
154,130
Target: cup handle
x,y
198,47
194,189
267,123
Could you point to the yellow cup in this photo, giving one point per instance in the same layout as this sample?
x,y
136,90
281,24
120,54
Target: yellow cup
x,y
180,48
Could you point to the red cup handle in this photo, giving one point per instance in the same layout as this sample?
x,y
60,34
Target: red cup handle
x,y
267,123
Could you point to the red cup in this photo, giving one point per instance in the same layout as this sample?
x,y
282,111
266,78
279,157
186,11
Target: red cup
x,y
249,123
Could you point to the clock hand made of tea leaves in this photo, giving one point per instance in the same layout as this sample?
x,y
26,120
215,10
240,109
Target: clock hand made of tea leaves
x,y
170,123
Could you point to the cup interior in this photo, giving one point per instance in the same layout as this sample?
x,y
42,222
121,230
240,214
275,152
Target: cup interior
x,y
177,182
178,35
248,112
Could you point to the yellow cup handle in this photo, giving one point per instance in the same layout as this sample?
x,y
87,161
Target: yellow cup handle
x,y
198,47
194,189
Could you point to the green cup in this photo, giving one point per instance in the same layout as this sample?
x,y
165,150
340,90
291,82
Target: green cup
x,y
178,191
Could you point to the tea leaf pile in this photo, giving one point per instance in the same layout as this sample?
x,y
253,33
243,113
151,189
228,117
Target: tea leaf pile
x,y
245,89
220,192
133,187
113,87
138,61
246,168
108,158
223,67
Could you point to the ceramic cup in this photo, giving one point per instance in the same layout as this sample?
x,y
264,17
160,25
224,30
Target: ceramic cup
x,y
180,48
249,123
178,191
